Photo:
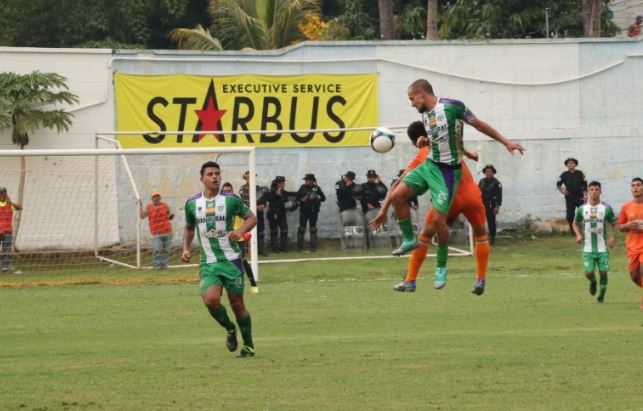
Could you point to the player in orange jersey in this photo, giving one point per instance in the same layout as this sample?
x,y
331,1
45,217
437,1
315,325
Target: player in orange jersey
x,y
630,221
467,201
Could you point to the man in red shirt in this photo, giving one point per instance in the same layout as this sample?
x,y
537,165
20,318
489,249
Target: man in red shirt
x,y
7,207
159,215
630,221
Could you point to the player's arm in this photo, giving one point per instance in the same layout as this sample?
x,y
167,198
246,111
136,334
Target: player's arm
x,y
624,225
249,222
188,236
578,218
485,128
471,155
611,219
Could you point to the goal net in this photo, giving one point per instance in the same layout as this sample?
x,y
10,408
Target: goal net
x,y
80,208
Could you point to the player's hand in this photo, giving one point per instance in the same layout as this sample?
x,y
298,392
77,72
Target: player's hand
x,y
579,239
611,241
472,155
377,222
185,256
511,146
422,141
234,235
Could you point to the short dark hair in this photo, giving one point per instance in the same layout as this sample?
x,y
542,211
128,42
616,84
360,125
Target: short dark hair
x,y
416,130
639,179
209,164
422,85
227,184
594,183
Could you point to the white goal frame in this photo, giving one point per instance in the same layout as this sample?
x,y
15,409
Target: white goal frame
x,y
123,153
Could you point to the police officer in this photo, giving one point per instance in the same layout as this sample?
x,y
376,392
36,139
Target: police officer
x,y
310,196
373,191
491,190
573,186
244,193
277,198
345,192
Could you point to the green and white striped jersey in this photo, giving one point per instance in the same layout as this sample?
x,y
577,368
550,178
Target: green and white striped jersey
x,y
441,125
213,218
593,219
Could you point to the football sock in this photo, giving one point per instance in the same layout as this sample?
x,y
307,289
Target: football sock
x,y
406,228
482,250
221,316
602,282
248,270
443,252
417,258
245,326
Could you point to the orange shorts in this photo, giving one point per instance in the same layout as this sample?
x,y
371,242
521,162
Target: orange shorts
x,y
634,259
467,201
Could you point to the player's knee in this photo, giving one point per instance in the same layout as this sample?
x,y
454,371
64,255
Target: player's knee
x,y
212,302
238,307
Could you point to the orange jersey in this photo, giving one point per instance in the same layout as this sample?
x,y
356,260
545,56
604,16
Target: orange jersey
x,y
418,159
632,211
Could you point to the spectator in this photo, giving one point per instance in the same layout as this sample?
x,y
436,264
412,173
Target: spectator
x,y
310,196
158,215
374,191
7,207
491,190
244,193
573,186
635,28
277,198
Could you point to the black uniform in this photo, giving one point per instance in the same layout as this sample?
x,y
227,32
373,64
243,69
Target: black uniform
x,y
491,190
277,220
373,193
576,185
345,196
310,199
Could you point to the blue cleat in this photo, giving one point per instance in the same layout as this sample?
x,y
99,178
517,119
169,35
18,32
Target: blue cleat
x,y
440,277
478,287
405,286
406,247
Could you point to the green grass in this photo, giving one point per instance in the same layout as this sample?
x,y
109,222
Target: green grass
x,y
331,336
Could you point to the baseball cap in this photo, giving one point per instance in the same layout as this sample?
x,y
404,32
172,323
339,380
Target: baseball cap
x,y
371,173
571,159
156,193
309,176
350,175
3,190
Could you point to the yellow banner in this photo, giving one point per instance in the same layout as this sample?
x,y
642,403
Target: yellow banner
x,y
190,104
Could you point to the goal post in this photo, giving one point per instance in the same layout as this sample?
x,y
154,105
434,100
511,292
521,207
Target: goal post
x,y
81,205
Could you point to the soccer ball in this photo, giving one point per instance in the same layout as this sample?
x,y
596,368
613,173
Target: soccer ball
x,y
382,140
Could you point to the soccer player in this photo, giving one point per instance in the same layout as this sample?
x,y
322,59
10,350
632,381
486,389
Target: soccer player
x,y
593,215
467,201
441,172
211,216
630,221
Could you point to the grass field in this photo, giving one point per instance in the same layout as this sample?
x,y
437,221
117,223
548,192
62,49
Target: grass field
x,y
330,336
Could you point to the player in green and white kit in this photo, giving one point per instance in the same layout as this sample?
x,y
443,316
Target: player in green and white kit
x,y
211,216
441,172
593,215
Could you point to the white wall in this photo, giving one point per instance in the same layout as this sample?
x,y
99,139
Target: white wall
x,y
558,98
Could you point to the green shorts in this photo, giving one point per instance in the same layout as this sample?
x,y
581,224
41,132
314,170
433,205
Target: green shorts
x,y
591,260
442,181
228,274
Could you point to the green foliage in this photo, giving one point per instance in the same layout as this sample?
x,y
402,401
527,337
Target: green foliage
x,y
479,19
26,102
197,38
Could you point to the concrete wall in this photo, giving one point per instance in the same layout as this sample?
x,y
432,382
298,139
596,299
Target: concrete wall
x,y
558,98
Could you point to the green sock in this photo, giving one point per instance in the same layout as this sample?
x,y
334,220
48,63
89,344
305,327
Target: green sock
x,y
443,252
406,227
221,316
245,325
602,287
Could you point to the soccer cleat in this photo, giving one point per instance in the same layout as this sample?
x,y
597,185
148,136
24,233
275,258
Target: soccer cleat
x,y
592,287
231,341
600,299
254,290
5,270
406,247
478,287
440,278
405,286
246,352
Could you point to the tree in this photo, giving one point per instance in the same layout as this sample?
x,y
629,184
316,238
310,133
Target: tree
x,y
260,25
387,27
26,102
432,18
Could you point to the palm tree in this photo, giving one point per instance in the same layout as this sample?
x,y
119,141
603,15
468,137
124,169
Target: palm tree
x,y
387,27
239,24
432,18
26,102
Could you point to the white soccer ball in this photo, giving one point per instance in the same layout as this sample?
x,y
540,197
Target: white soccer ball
x,y
382,140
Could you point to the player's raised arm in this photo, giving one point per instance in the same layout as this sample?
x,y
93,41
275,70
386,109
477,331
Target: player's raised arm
x,y
485,128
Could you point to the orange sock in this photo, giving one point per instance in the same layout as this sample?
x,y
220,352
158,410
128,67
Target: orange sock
x,y
417,258
481,251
